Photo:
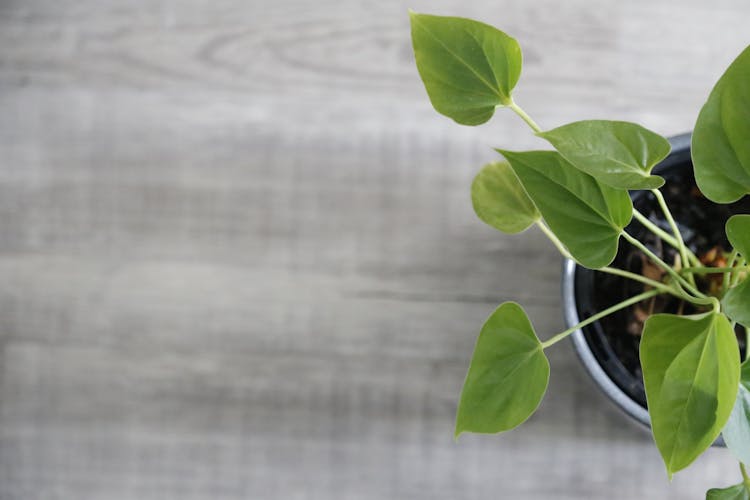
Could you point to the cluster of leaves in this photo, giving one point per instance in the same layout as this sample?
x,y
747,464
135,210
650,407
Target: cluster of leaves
x,y
578,194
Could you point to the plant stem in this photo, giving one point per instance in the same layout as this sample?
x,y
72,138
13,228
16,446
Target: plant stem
x,y
678,236
673,290
728,276
664,288
520,112
655,229
642,279
745,478
747,342
712,270
663,265
671,240
633,300
555,241
612,270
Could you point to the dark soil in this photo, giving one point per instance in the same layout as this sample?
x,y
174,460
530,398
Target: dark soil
x,y
615,339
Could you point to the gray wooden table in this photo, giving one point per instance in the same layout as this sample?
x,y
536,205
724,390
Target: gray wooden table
x,y
238,258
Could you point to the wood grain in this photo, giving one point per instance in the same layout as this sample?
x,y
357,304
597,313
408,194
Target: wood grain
x,y
238,258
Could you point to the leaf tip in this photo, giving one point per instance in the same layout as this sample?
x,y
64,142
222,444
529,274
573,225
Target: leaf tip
x,y
657,181
413,17
503,152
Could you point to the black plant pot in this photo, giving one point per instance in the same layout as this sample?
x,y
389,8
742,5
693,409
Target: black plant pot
x,y
608,348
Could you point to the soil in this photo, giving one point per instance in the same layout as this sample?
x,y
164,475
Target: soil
x,y
615,339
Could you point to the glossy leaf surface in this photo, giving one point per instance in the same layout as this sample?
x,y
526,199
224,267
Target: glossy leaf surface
x,y
737,430
507,377
619,154
738,233
468,68
691,373
720,146
584,214
736,492
736,303
500,200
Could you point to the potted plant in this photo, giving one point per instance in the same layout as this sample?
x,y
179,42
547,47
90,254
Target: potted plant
x,y
578,193
608,348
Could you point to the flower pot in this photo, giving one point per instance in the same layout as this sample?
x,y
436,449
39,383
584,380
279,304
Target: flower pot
x,y
608,348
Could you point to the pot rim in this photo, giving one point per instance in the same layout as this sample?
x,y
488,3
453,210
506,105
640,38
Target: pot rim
x,y
586,355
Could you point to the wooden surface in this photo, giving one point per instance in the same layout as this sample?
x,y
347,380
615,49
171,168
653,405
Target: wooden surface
x,y
238,258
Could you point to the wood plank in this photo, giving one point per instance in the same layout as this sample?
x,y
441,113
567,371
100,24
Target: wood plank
x,y
239,260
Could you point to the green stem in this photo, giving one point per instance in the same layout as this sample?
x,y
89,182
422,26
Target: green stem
x,y
690,288
668,238
655,229
711,270
622,305
678,236
664,288
555,241
728,276
520,112
673,290
745,478
642,279
747,342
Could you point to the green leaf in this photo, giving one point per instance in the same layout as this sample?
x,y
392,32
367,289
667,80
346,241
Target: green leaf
x,y
738,233
467,67
720,149
619,154
507,377
736,303
500,200
691,372
584,214
737,431
736,492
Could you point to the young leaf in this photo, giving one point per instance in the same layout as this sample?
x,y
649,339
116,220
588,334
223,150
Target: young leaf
x,y
619,154
467,67
691,372
736,492
507,377
737,431
738,233
500,200
585,215
720,149
736,303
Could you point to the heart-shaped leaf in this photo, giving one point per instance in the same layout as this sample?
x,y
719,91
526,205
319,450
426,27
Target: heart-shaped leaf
x,y
720,149
584,214
691,372
736,303
738,233
500,200
737,431
619,154
736,492
467,67
507,377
